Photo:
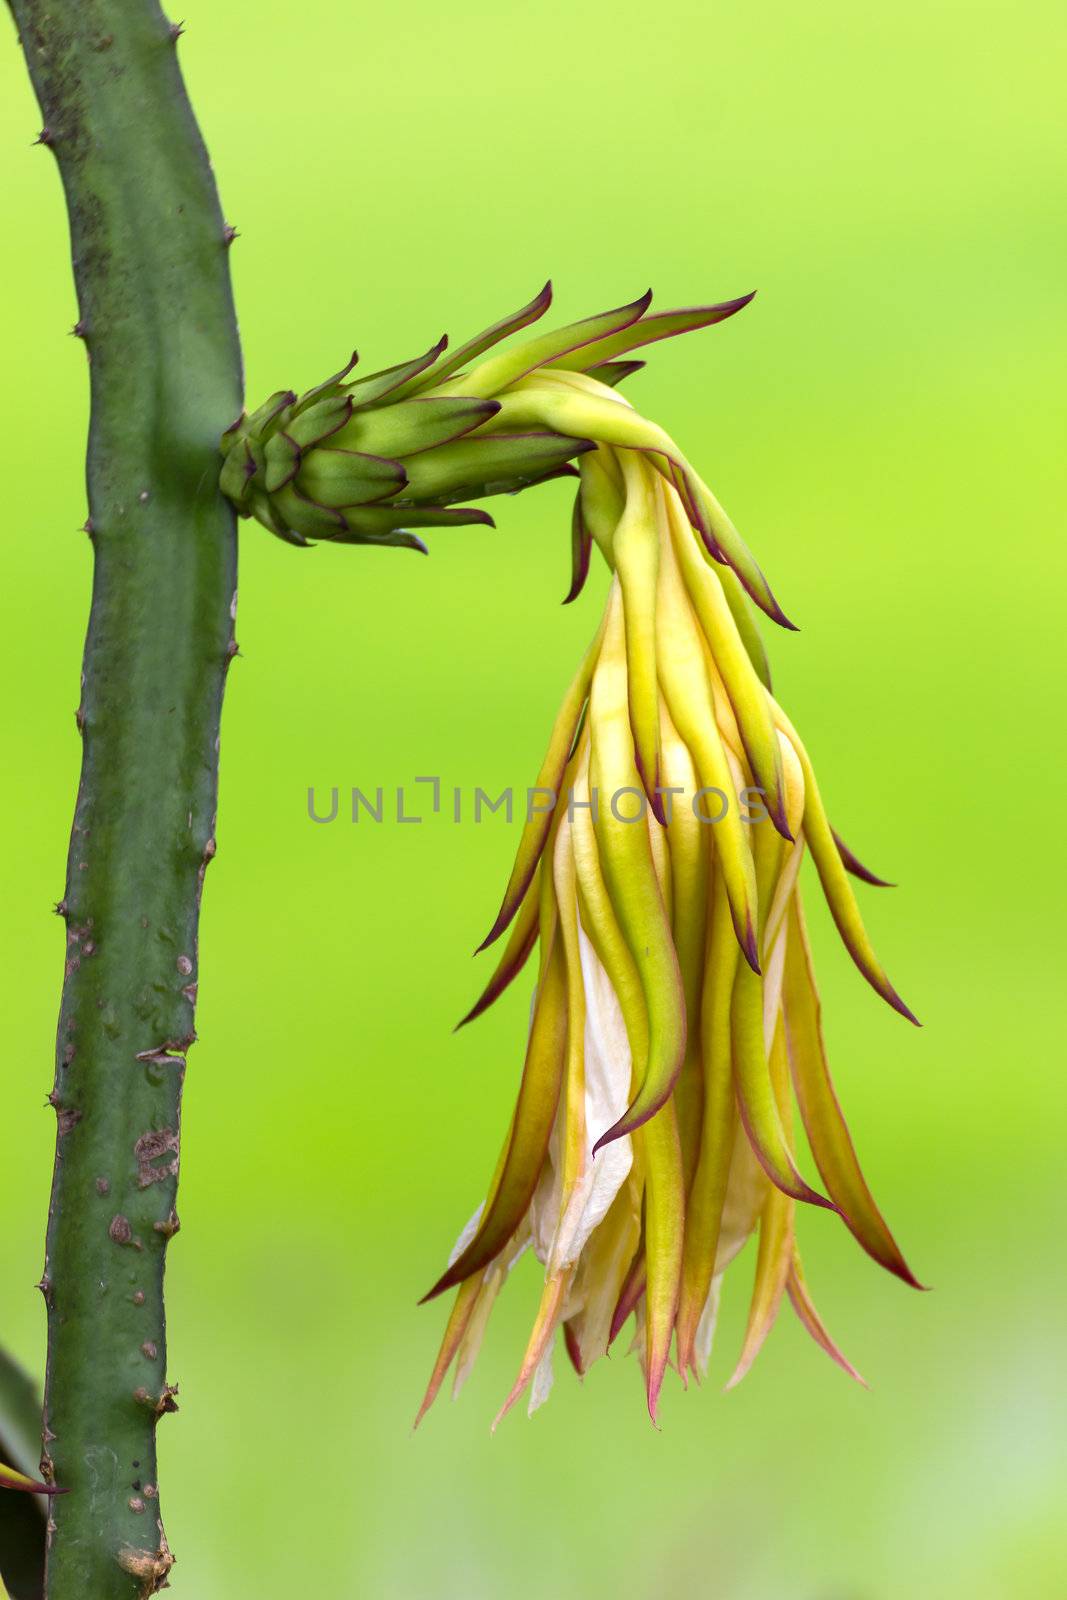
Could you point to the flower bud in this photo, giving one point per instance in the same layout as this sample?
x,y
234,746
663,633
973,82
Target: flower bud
x,y
367,460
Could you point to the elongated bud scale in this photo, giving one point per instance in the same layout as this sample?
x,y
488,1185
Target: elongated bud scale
x,y
364,460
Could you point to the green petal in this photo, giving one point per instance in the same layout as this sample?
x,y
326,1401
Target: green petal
x,y
536,829
647,330
506,368
482,342
776,1237
824,1122
339,478
534,1115
409,426
488,463
373,389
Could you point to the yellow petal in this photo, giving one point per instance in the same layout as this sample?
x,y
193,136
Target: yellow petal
x,y
686,689
775,1238
549,780
708,1189
629,872
746,693
834,878
531,1127
636,552
755,1092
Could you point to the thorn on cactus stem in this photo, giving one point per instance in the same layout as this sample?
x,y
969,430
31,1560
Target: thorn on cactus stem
x,y
80,330
176,31
45,137
229,234
88,527
161,1404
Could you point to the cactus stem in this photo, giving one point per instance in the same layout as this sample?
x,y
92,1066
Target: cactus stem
x,y
165,379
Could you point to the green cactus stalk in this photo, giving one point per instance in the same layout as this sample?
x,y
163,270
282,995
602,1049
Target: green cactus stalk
x,y
156,312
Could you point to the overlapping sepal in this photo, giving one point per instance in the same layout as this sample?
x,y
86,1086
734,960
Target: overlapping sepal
x,y
416,438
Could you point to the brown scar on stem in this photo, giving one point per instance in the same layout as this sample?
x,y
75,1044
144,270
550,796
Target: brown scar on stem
x,y
66,1119
149,1567
210,847
169,1226
150,1147
161,1404
162,1058
169,1049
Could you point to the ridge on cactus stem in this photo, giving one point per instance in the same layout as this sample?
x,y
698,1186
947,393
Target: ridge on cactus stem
x,y
675,1038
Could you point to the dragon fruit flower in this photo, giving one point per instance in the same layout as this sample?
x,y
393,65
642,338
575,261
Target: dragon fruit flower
x,y
675,1038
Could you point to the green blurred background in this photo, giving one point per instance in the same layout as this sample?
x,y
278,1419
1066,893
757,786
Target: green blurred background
x,y
886,423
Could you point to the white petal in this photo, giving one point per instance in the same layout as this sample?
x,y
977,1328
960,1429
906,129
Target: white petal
x,y
466,1236
548,1196
639,1344
746,1191
772,990
602,1272
543,1379
495,1275
471,1342
607,1094
706,1326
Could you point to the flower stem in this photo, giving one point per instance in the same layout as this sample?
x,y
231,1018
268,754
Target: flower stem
x,y
156,312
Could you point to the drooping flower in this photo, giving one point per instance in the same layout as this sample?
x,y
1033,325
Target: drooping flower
x,y
675,1022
